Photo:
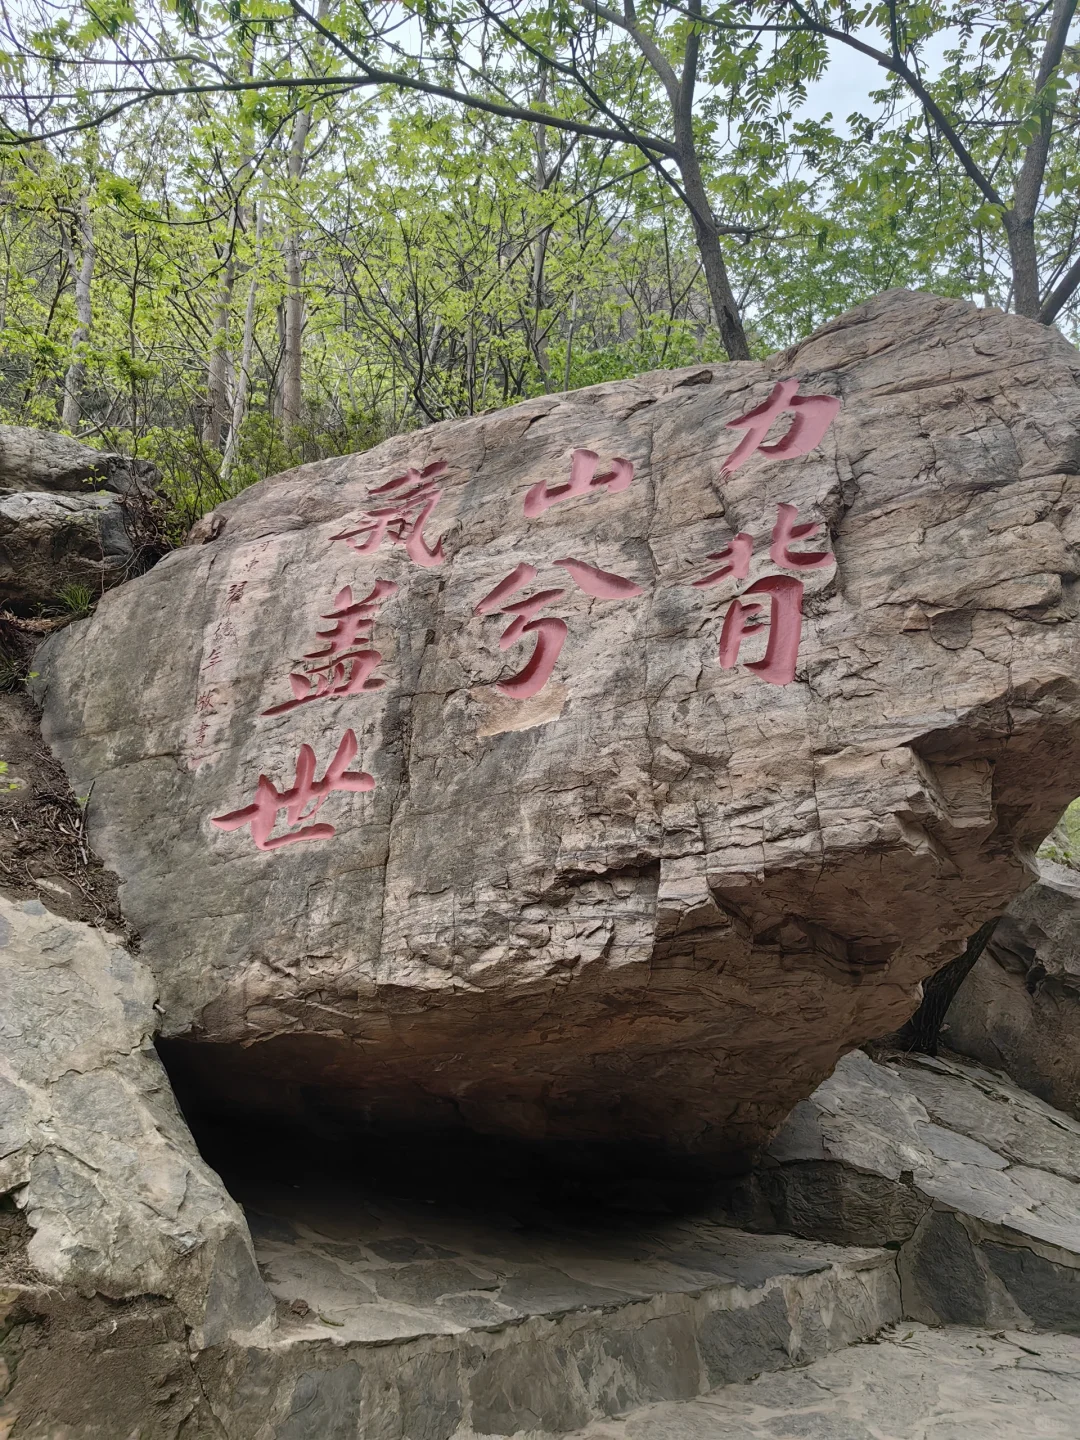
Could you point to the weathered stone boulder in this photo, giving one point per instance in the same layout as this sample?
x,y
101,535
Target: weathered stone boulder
x,y
92,1146
69,515
975,1182
49,542
42,460
579,872
1019,1008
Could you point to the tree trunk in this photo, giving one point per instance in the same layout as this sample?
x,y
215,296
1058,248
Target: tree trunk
x,y
1025,265
540,244
243,379
83,270
293,359
292,363
217,370
680,91
1019,221
681,94
724,305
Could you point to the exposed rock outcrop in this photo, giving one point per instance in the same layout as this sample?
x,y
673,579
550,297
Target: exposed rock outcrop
x,y
446,1329
974,1181
914,1383
42,460
69,514
1019,1008
433,1325
577,872
92,1147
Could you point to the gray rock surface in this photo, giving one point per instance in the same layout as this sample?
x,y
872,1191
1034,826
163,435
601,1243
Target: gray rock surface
x,y
418,1324
974,1180
404,1320
913,1384
69,514
1019,1008
41,460
49,541
653,902
92,1147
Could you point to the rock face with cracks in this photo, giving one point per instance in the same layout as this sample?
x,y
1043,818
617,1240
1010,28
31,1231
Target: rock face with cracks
x,y
654,896
92,1146
1019,1009
972,1180
69,515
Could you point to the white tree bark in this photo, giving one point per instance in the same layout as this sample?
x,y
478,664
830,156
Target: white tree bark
x,y
292,368
83,269
217,369
243,379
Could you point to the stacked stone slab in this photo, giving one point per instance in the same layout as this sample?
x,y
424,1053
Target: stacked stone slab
x,y
975,1183
964,1383
652,903
427,1328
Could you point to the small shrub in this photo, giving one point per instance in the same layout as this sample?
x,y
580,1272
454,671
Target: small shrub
x,y
77,599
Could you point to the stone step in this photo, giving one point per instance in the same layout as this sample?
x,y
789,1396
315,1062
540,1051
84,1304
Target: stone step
x,y
912,1384
406,1322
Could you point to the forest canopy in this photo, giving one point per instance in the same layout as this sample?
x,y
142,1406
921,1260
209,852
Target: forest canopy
x,y
239,235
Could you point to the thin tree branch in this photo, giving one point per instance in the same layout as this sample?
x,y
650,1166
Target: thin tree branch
x,y
1030,179
1062,293
510,112
896,65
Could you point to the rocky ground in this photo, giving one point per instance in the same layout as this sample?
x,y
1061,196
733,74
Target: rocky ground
x,y
910,1384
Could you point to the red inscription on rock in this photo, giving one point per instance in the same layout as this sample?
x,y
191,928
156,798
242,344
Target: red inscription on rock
x,y
345,664
550,632
583,481
737,554
784,593
785,628
305,791
813,416
411,499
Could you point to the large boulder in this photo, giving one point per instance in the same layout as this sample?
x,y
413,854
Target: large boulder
x,y
51,542
69,515
1019,1008
98,1159
43,460
579,871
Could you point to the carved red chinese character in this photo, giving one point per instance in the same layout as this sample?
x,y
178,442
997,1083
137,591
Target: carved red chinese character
x,y
744,617
402,519
550,632
737,554
785,531
785,628
346,663
583,480
813,416
261,814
